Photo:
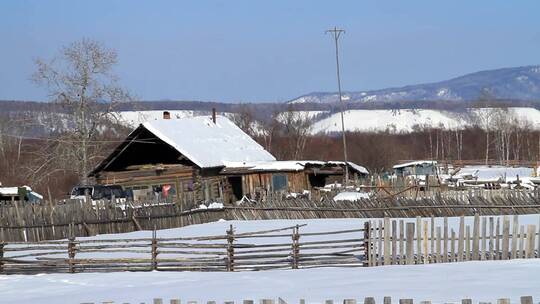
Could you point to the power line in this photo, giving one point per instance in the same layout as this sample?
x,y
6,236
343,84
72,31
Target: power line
x,y
336,33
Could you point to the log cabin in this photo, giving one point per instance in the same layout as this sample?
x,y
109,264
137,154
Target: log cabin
x,y
202,159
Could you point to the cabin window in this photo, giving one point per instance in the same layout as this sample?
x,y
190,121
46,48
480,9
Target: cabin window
x,y
279,182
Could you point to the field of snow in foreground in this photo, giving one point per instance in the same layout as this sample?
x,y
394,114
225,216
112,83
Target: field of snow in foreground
x,y
440,283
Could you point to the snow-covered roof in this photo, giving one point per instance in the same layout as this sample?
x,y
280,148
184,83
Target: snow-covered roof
x,y
493,173
278,165
207,144
290,165
415,163
8,191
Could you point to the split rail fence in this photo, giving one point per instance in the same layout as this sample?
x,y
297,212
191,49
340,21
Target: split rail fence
x,y
394,242
367,300
285,248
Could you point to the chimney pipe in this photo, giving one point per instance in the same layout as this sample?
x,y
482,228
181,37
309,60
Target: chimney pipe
x,y
214,115
166,115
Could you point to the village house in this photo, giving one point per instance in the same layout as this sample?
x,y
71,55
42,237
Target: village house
x,y
206,158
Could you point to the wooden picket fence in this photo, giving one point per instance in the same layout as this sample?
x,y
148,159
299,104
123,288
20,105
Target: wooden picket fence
x,y
20,221
284,248
395,242
367,300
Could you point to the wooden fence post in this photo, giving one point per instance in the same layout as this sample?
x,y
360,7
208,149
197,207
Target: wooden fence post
x,y
410,241
419,239
367,244
394,242
2,257
71,254
295,247
369,300
526,300
445,240
387,300
230,249
505,238
461,237
476,238
386,230
529,245
154,249
515,226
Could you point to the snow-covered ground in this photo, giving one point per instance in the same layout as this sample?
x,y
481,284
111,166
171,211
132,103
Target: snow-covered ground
x,y
440,283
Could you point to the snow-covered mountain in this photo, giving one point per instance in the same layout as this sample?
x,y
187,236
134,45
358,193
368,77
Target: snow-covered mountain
x,y
518,83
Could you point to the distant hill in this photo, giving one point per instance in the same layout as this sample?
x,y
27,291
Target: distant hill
x,y
518,83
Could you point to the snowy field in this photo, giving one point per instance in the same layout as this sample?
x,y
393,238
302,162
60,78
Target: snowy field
x,y
407,120
440,283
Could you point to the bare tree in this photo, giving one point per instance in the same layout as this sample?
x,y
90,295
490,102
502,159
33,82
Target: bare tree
x,y
81,79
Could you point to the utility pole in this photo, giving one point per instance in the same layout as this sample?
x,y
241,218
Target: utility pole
x,y
336,33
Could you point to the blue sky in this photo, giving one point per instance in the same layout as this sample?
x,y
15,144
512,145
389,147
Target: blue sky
x,y
249,51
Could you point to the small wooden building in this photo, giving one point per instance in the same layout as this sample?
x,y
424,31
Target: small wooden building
x,y
293,176
204,159
179,159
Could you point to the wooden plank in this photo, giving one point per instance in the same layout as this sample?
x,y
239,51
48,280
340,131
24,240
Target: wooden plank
x,y
425,242
467,243
498,240
387,300
419,239
432,235
438,258
401,242
461,238
387,256
369,300
491,247
520,242
526,300
505,254
394,242
406,301
503,301
476,237
380,243
453,246
514,236
483,251
445,240
530,238
410,241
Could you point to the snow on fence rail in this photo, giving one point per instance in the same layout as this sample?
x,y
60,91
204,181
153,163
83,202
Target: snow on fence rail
x,y
27,222
284,248
394,242
367,300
